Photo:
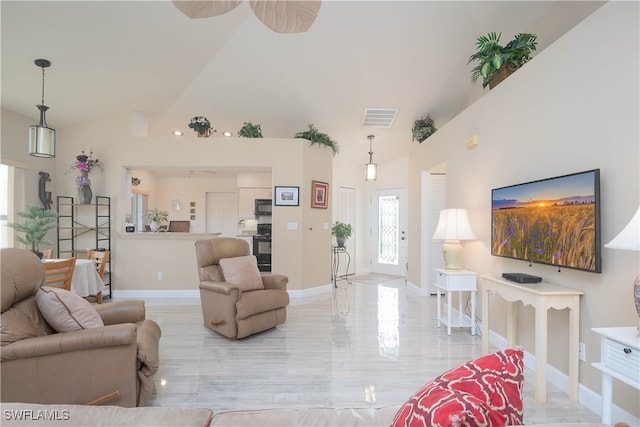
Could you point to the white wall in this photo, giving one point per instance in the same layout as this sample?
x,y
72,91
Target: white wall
x,y
574,107
110,139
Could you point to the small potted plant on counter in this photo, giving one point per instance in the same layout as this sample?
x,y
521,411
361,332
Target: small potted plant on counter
x,y
37,222
155,217
342,232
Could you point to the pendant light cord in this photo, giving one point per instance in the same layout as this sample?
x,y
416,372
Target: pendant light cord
x,y
42,85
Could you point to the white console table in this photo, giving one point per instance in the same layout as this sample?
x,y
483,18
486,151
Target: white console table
x,y
620,359
542,297
456,281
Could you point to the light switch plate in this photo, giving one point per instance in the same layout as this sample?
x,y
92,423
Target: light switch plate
x,y
292,226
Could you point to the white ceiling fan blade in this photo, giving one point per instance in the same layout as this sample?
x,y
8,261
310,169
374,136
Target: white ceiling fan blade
x,y
286,17
196,9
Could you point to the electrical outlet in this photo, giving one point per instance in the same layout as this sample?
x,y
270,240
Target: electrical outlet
x,y
582,352
160,275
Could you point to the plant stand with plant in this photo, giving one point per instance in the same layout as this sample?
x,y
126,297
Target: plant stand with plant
x,y
342,232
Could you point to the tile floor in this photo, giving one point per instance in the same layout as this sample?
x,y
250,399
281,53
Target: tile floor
x,y
362,345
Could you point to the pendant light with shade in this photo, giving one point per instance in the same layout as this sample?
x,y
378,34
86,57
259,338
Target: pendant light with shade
x,y
42,138
371,169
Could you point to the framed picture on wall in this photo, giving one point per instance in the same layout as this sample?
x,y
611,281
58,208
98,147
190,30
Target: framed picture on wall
x,y
319,194
287,196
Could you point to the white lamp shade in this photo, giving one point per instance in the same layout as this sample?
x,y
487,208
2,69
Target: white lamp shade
x,y
454,225
42,141
371,172
629,237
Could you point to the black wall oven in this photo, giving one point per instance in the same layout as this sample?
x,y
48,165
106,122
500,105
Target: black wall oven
x,y
262,247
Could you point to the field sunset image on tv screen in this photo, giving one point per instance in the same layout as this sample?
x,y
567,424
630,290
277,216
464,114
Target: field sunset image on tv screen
x,y
551,221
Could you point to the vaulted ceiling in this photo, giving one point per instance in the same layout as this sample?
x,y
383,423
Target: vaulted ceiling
x,y
148,57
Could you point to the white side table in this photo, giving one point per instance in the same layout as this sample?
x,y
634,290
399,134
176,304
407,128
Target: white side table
x,y
620,359
456,281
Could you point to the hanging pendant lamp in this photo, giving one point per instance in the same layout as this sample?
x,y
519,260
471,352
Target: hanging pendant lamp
x,y
42,138
370,169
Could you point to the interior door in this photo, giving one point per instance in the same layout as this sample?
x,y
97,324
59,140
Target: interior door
x,y
222,214
389,232
347,215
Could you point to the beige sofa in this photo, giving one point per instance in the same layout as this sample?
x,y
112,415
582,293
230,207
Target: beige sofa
x,y
75,415
40,365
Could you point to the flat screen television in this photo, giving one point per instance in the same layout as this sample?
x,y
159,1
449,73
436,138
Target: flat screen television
x,y
552,221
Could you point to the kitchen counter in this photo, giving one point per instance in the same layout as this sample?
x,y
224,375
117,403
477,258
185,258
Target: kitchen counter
x,y
167,235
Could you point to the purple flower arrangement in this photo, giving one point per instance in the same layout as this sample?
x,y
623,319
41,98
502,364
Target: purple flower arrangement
x,y
85,164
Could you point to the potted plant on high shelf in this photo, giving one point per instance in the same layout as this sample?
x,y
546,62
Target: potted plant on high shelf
x,y
155,217
495,62
37,222
342,232
249,130
316,137
423,128
202,126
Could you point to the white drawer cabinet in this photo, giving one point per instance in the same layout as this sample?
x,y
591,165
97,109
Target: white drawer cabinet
x,y
620,359
449,281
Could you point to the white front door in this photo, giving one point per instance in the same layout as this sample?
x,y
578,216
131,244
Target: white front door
x,y
222,214
389,232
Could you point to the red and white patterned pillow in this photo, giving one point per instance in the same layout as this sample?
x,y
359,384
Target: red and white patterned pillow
x,y
486,391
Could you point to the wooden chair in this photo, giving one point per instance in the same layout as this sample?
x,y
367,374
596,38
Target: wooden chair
x,y
59,273
47,253
100,258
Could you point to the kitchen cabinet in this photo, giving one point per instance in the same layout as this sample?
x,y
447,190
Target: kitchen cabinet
x,y
246,200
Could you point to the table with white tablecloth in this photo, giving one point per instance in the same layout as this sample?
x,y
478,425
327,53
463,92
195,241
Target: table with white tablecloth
x,y
85,281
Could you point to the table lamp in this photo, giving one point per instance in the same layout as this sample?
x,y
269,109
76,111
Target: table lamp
x,y
629,239
453,226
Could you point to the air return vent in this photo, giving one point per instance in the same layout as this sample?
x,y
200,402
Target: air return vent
x,y
379,117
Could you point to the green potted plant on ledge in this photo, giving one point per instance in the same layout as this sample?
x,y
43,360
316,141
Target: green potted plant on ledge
x,y
342,232
155,217
496,62
249,130
37,222
423,128
316,137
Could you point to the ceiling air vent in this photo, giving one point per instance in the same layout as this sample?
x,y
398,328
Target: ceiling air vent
x,y
379,117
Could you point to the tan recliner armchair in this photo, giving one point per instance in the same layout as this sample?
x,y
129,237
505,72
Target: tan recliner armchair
x,y
39,365
228,310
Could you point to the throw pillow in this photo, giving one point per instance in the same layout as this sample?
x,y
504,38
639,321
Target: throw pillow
x,y
242,271
486,391
66,311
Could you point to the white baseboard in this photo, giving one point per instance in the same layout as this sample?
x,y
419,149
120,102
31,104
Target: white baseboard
x,y
586,396
416,290
317,290
150,294
195,293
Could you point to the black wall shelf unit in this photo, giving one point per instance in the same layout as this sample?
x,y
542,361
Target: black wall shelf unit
x,y
85,226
